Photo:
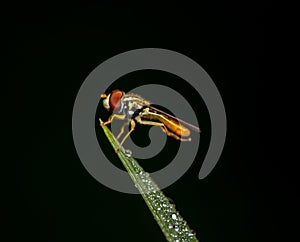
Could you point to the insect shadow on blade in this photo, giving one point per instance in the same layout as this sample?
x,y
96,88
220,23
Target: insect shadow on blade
x,y
133,109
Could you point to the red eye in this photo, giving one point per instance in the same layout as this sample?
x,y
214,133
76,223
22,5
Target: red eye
x,y
115,98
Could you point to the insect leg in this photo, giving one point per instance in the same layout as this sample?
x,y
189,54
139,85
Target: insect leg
x,y
132,124
122,130
112,117
145,122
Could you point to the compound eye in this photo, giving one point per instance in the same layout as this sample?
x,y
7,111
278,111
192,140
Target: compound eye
x,y
115,99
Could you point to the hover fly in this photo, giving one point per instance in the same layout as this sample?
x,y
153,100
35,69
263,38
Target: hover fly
x,y
134,109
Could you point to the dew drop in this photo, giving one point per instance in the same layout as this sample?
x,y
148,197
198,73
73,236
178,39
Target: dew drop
x,y
128,153
176,228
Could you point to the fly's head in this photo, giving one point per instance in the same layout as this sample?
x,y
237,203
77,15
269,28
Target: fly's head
x,y
113,101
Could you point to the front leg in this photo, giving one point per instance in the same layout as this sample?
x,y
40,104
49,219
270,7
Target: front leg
x,y
122,130
111,118
132,127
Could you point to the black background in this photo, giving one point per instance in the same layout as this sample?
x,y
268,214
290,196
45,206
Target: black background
x,y
52,49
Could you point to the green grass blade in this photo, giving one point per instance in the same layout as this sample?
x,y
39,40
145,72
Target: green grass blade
x,y
173,226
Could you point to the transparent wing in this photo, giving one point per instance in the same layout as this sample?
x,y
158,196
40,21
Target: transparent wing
x,y
192,127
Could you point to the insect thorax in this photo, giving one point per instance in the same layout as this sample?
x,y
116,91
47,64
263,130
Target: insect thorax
x,y
131,104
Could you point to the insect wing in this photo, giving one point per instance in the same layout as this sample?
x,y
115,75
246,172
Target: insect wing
x,y
192,127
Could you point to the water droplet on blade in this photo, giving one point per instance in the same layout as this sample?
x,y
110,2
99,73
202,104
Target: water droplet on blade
x,y
128,153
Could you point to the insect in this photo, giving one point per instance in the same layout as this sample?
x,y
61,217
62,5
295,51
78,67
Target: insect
x,y
134,109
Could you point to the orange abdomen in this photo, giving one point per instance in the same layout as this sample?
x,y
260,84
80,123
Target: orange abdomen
x,y
174,126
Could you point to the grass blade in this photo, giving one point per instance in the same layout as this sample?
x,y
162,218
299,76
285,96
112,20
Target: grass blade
x,y
173,226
